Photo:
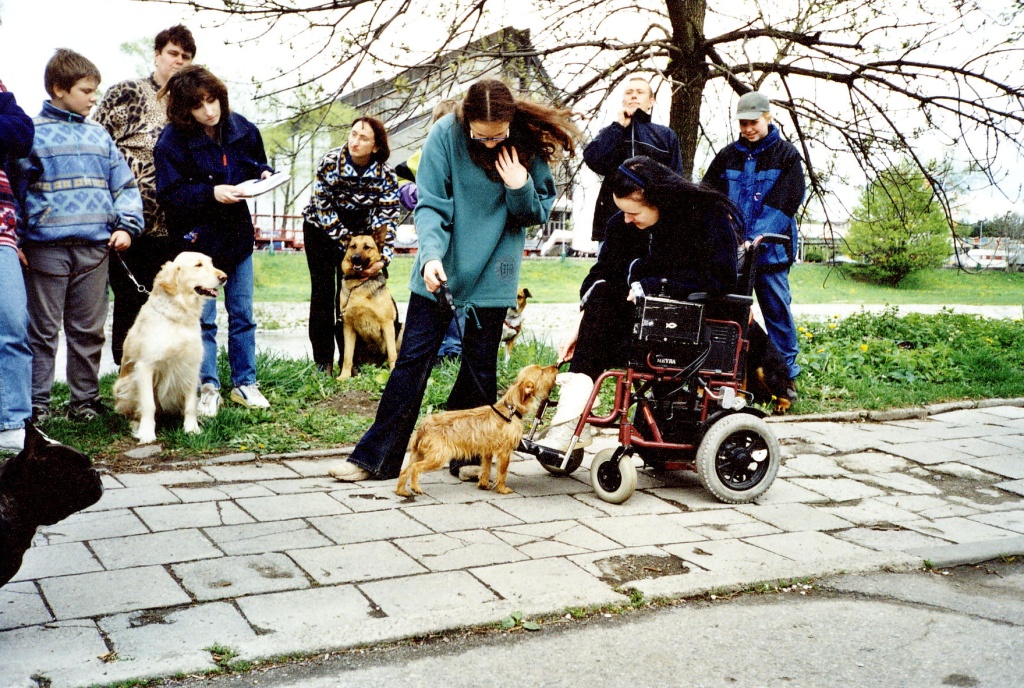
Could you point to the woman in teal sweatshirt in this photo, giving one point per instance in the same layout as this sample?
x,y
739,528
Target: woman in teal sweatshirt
x,y
483,178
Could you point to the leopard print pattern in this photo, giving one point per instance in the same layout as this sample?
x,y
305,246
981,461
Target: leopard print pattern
x,y
134,118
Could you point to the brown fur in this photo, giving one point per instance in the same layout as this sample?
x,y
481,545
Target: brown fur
x,y
164,347
514,322
767,376
477,432
365,306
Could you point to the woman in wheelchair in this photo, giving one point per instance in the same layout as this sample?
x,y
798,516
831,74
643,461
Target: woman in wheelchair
x,y
671,237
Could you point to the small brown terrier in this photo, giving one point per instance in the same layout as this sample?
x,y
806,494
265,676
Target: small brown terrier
x,y
490,432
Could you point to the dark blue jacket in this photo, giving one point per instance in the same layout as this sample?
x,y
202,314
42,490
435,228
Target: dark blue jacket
x,y
766,182
16,134
188,165
615,144
694,253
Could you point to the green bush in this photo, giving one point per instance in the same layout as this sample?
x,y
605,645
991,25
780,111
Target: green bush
x,y
814,255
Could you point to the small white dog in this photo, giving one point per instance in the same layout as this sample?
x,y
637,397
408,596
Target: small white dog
x,y
164,348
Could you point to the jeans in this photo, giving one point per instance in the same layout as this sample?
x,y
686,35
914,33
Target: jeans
x,y
238,293
323,257
451,346
773,296
381,450
15,354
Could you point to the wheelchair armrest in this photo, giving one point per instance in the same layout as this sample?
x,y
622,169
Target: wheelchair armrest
x,y
734,300
697,297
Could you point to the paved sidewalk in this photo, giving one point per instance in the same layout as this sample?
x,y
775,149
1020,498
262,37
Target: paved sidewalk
x,y
274,557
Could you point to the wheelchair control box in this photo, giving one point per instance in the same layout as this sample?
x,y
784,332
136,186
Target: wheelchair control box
x,y
662,320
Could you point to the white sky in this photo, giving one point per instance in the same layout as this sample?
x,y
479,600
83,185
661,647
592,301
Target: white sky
x,y
30,30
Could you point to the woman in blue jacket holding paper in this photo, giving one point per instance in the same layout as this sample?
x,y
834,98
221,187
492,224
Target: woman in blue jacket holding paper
x,y
483,178
202,155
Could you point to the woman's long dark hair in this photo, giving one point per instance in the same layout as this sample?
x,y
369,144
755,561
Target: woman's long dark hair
x,y
185,92
675,197
380,138
535,129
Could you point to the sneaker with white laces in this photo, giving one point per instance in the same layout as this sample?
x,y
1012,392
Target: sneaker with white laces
x,y
12,440
209,400
249,396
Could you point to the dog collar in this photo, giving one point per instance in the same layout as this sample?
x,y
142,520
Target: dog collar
x,y
513,413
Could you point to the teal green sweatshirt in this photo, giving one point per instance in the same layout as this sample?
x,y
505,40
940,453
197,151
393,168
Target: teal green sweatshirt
x,y
473,225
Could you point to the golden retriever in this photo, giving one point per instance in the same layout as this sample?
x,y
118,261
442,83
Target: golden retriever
x,y
490,432
164,347
365,306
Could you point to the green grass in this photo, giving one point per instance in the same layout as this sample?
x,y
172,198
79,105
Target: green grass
x,y
284,277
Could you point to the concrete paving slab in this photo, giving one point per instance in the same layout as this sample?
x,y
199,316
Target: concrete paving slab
x,y
189,495
359,561
449,491
788,492
723,524
56,560
196,515
793,517
250,472
967,417
554,539
306,620
870,512
129,497
643,529
726,555
459,550
274,536
807,546
287,507
962,470
851,438
1015,441
322,483
542,585
442,518
158,643
1007,466
63,653
87,525
666,500
893,538
899,482
838,489
111,592
236,576
552,485
21,605
814,465
110,482
1014,486
958,529
364,527
165,478
550,508
970,552
873,462
165,547
312,467
429,594
980,447
377,497
928,453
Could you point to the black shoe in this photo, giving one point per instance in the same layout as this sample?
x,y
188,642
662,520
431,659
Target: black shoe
x,y
791,392
89,410
456,464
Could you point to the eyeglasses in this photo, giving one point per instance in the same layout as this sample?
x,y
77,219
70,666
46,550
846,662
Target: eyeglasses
x,y
484,139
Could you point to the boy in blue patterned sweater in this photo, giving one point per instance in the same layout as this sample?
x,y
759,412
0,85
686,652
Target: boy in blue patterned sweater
x,y
81,202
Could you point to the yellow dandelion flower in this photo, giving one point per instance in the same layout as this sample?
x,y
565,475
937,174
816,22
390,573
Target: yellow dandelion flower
x,y
863,347
832,326
243,447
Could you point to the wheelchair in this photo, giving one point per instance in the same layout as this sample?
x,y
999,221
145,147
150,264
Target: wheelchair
x,y
681,403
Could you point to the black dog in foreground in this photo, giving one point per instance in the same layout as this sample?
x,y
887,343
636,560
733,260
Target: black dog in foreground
x,y
767,375
45,483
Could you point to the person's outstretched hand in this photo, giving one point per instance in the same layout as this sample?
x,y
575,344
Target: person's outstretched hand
x,y
510,169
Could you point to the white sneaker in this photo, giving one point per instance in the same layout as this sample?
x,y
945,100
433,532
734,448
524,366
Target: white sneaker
x,y
249,396
558,437
12,440
348,472
209,400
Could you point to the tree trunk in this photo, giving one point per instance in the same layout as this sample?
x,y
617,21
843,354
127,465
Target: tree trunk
x,y
689,74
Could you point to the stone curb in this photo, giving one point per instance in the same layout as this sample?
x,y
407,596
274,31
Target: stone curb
x,y
944,556
914,412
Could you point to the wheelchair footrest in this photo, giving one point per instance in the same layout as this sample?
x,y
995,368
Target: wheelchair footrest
x,y
548,457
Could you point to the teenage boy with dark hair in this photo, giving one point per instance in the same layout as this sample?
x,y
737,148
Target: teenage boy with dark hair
x,y
81,202
134,118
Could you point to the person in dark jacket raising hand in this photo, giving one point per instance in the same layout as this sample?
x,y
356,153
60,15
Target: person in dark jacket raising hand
x,y
763,175
633,134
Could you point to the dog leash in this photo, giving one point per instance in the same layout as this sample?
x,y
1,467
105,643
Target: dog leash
x,y
444,296
141,289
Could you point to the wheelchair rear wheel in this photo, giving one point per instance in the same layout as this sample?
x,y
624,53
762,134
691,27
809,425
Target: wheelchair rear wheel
x,y
738,458
613,475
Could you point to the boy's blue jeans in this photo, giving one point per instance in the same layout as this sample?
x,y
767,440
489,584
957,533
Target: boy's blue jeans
x,y
774,298
238,294
15,354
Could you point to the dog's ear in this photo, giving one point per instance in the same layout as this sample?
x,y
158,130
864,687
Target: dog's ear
x,y
166,279
526,293
380,235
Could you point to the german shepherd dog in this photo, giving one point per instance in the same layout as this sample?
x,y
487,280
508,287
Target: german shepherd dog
x,y
45,483
490,432
366,309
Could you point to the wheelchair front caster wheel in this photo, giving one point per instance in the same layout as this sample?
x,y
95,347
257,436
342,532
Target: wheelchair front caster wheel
x,y
613,475
738,458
